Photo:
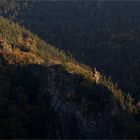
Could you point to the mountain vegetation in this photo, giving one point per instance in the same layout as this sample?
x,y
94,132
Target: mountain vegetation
x,y
105,32
46,93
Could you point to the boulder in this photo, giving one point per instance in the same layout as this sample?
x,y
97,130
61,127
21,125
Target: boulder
x,y
16,46
25,49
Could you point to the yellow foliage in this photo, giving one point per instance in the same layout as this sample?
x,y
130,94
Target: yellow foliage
x,y
20,40
18,57
77,69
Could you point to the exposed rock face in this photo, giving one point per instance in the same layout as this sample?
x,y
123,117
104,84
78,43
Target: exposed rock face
x,y
25,49
68,123
72,122
59,104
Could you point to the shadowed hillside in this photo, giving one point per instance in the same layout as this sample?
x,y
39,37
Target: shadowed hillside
x,y
104,34
46,94
49,102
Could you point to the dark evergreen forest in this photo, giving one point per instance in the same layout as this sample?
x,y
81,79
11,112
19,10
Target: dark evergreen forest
x,y
102,34
69,69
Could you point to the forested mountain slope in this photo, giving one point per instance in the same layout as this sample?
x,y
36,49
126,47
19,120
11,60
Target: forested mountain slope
x,y
45,94
104,34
